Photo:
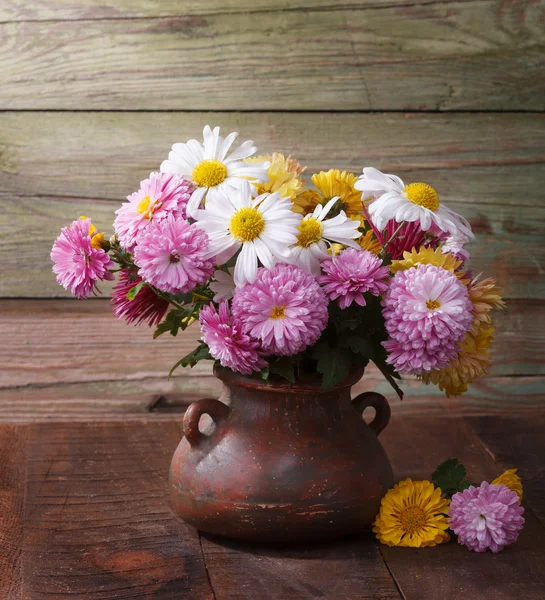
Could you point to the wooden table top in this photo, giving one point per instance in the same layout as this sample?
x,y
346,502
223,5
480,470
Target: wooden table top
x,y
84,513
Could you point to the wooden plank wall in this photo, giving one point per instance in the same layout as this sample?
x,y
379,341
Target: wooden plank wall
x,y
93,94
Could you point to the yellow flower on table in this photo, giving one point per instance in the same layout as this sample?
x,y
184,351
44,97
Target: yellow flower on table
x,y
511,480
412,514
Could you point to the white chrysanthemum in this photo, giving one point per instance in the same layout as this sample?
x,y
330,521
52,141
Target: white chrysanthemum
x,y
223,285
263,228
412,202
209,168
315,234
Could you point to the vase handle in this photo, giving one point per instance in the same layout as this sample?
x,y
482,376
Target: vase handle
x,y
210,406
381,406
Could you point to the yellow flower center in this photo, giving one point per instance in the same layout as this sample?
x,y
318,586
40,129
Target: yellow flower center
x,y
413,519
310,232
144,207
209,173
423,195
97,239
433,304
247,224
278,312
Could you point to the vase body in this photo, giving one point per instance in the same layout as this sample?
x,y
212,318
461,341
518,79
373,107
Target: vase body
x,y
284,463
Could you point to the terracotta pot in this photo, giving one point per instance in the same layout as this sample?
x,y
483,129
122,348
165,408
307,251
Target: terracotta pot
x,y
285,463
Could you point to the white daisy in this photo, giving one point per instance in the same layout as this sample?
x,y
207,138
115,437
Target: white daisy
x,y
209,168
412,202
315,235
263,228
223,285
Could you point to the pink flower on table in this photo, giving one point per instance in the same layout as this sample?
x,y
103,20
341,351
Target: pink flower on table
x,y
488,517
171,256
284,308
427,312
80,262
351,274
227,343
161,195
147,306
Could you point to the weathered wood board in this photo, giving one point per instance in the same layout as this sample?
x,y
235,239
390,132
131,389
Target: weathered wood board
x,y
484,54
72,360
85,514
479,164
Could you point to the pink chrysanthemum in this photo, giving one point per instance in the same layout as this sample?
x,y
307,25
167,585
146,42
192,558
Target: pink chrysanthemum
x,y
228,344
284,308
161,195
147,306
351,274
427,312
170,255
80,262
486,517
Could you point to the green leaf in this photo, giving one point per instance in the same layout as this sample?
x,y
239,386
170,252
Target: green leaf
x,y
283,367
171,323
202,352
134,291
333,363
358,344
450,476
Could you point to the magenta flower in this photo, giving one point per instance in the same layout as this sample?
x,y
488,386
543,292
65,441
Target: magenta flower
x,y
170,255
486,517
410,236
228,344
427,312
351,274
147,306
161,195
284,308
80,262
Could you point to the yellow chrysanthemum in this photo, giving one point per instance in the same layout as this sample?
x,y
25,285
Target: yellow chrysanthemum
x,y
473,357
412,514
368,241
428,256
485,296
511,480
472,362
284,175
329,185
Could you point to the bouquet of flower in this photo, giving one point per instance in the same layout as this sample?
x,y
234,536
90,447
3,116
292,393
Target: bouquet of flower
x,y
288,281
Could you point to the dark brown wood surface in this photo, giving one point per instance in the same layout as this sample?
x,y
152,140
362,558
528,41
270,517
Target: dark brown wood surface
x,y
85,514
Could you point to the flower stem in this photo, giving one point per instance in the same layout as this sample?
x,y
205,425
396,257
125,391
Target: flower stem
x,y
394,235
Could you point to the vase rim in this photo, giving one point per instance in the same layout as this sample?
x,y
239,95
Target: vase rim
x,y
308,385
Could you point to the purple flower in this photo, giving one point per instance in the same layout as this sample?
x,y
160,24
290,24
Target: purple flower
x,y
161,195
284,308
486,517
170,255
223,335
80,262
147,306
427,312
351,274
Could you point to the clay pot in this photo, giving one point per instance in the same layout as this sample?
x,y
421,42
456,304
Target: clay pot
x,y
284,463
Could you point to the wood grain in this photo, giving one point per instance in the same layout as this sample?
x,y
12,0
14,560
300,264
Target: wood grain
x,y
15,10
415,447
518,443
410,57
71,341
97,520
240,572
72,360
12,486
488,168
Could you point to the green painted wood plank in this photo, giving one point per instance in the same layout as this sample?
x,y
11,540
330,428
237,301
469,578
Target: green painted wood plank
x,y
57,166
482,55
